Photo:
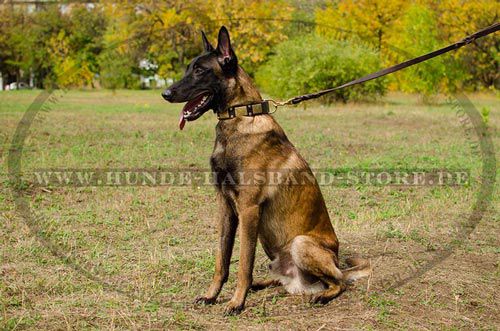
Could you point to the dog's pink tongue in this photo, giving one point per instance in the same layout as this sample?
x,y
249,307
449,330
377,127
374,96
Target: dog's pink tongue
x,y
182,121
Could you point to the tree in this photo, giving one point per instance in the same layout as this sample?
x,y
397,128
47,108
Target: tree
x,y
47,23
370,20
15,44
111,38
458,18
417,33
74,50
175,36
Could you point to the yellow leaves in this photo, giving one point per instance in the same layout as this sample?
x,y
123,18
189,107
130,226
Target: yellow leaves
x,y
58,45
458,18
369,19
254,34
384,24
255,27
69,72
464,17
170,18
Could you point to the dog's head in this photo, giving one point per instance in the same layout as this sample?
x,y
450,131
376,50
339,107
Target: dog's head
x,y
207,81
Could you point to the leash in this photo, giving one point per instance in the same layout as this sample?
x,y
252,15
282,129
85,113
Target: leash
x,y
467,40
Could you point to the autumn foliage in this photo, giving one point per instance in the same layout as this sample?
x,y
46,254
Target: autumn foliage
x,y
106,44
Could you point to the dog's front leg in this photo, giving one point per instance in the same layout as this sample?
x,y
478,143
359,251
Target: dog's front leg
x,y
227,223
248,222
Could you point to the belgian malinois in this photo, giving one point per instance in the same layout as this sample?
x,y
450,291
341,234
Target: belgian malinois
x,y
291,221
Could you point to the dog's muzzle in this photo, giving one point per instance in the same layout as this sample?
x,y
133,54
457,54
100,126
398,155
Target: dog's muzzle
x,y
168,95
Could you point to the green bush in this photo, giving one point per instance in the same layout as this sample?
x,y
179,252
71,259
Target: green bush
x,y
419,34
313,63
117,71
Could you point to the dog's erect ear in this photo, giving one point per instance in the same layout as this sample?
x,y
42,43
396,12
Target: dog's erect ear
x,y
226,56
207,46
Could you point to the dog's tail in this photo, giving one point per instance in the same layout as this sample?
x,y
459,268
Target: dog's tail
x,y
358,268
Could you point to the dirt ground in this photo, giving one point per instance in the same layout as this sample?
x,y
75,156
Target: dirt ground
x,y
135,257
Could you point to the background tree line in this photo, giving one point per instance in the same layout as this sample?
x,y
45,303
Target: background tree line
x,y
289,46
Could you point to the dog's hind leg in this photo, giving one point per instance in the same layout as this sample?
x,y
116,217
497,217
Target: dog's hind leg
x,y
263,284
311,257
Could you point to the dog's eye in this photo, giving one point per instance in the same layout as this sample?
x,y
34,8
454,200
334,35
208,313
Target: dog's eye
x,y
199,71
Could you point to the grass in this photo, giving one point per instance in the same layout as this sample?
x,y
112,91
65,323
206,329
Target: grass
x,y
135,257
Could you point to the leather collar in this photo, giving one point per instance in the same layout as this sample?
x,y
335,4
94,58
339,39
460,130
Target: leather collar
x,y
250,110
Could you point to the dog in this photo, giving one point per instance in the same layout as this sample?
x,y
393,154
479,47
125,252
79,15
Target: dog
x,y
290,221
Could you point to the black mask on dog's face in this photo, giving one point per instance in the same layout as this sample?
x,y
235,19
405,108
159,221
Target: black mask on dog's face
x,y
205,80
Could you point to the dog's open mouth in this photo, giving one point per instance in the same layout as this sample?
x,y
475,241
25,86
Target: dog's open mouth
x,y
195,108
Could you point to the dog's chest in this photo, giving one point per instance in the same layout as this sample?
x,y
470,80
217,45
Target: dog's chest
x,y
224,164
218,160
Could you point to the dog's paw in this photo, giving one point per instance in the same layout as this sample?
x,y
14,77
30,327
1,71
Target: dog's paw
x,y
202,300
233,309
320,299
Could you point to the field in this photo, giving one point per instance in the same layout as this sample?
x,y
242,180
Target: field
x,y
135,257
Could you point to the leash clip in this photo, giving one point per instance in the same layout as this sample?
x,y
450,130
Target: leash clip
x,y
277,104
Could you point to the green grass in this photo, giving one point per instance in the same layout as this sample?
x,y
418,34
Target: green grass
x,y
147,252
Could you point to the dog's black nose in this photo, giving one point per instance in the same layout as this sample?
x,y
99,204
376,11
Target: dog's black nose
x,y
167,95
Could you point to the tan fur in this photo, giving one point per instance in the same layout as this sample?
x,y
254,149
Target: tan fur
x,y
291,221
241,89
